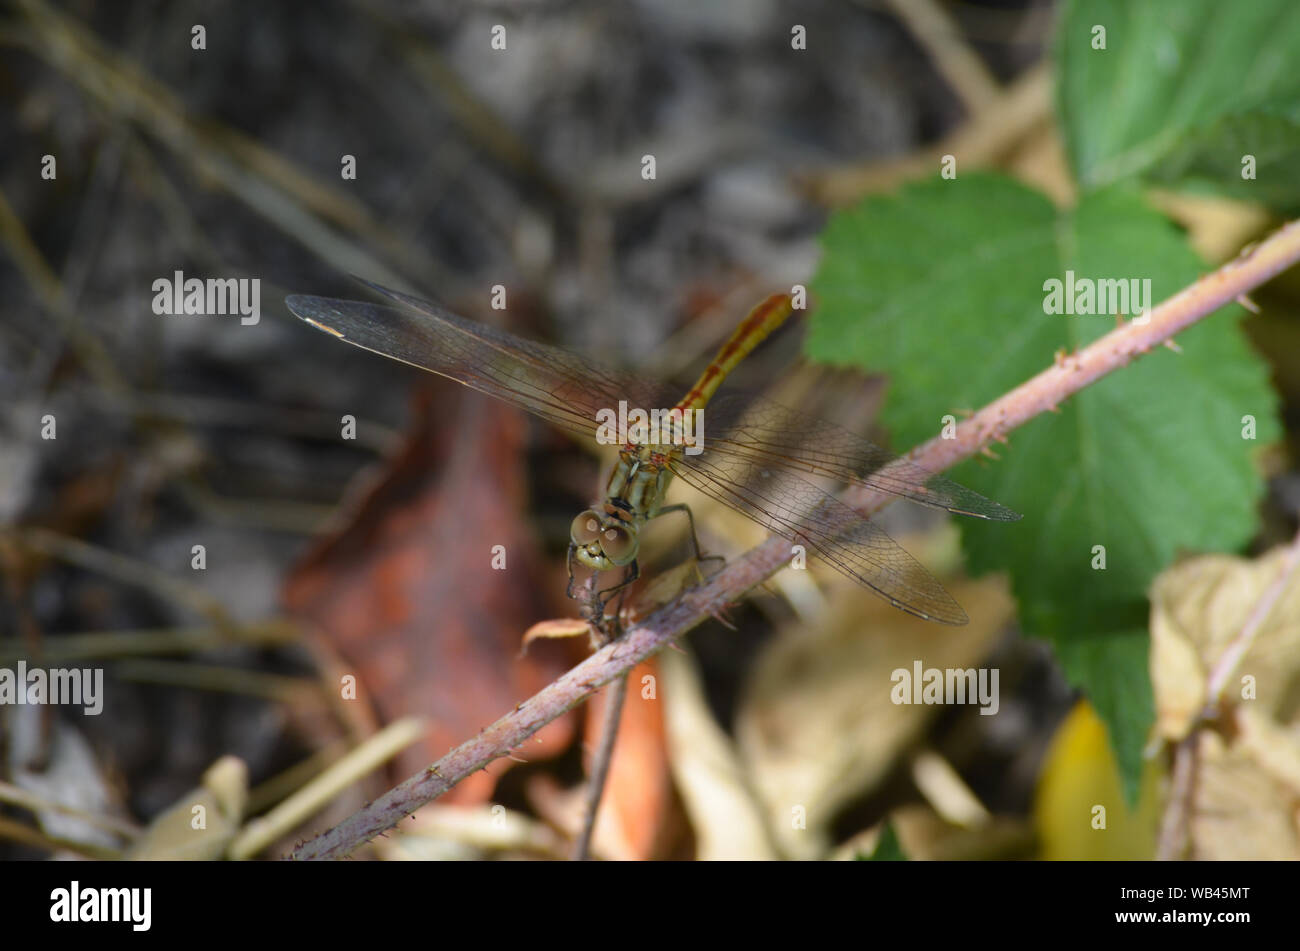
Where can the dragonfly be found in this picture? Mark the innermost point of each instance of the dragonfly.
(755, 456)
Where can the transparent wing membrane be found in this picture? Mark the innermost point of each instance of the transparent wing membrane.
(798, 511)
(555, 384)
(769, 434)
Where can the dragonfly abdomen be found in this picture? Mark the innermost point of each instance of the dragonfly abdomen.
(753, 330)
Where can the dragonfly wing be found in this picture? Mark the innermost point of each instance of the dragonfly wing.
(795, 509)
(555, 384)
(770, 435)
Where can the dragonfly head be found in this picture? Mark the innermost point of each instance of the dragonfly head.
(602, 541)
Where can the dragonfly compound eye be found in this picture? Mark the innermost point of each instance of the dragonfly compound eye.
(618, 545)
(585, 528)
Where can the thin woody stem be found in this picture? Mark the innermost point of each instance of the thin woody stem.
(1045, 391)
(1175, 827)
(1227, 663)
(600, 764)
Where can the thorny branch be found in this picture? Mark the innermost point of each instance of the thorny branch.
(1045, 391)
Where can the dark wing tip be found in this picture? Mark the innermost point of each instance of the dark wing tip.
(300, 305)
(308, 308)
(1003, 514)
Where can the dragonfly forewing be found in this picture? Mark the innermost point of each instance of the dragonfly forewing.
(557, 385)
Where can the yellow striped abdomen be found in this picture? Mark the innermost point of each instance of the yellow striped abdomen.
(753, 330)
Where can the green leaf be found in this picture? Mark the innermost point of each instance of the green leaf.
(942, 286)
(887, 848)
(1157, 97)
(1209, 159)
(1113, 665)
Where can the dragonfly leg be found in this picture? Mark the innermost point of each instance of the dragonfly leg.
(569, 592)
(695, 541)
(632, 572)
(597, 604)
(594, 602)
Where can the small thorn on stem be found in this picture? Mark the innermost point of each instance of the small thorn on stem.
(720, 615)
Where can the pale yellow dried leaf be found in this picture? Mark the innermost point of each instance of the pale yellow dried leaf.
(817, 727)
(725, 817)
(1197, 608)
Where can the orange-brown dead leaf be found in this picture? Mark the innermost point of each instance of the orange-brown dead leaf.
(638, 798)
(407, 594)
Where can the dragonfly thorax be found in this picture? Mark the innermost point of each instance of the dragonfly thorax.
(639, 481)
